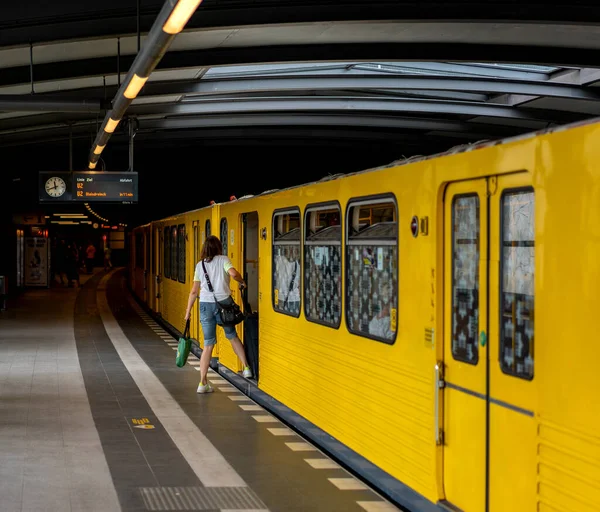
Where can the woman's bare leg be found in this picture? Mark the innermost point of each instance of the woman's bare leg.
(205, 363)
(238, 348)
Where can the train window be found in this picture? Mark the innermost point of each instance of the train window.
(139, 250)
(181, 247)
(372, 268)
(517, 286)
(224, 235)
(167, 253)
(207, 229)
(174, 253)
(323, 264)
(465, 278)
(287, 269)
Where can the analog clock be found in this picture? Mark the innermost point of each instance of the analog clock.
(55, 187)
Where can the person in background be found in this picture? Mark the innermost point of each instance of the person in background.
(60, 261)
(90, 253)
(72, 267)
(219, 269)
(107, 262)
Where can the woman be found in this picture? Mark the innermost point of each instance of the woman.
(219, 268)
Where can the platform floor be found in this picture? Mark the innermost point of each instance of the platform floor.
(96, 417)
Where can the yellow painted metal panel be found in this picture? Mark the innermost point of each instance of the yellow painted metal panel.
(567, 183)
(513, 460)
(374, 397)
(569, 467)
(512, 433)
(227, 357)
(159, 270)
(200, 217)
(233, 211)
(465, 267)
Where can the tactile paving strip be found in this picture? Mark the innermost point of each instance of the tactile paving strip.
(201, 498)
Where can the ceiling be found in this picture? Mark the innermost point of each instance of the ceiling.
(259, 72)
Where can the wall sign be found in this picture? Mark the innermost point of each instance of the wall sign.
(35, 265)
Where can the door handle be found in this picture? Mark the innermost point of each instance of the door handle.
(439, 385)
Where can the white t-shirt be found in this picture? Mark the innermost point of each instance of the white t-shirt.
(217, 270)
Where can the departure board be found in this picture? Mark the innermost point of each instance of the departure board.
(105, 186)
(88, 187)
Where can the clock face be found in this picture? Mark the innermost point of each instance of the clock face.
(55, 187)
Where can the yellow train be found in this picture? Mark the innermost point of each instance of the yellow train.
(439, 317)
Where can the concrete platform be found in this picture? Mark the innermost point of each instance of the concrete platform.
(96, 416)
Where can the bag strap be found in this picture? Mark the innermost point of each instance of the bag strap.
(186, 331)
(209, 283)
(207, 278)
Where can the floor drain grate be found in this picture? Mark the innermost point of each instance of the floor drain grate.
(201, 498)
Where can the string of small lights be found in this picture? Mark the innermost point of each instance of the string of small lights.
(99, 217)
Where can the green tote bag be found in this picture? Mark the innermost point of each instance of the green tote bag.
(185, 344)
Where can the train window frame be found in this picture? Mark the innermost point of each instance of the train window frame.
(307, 210)
(207, 229)
(505, 192)
(276, 213)
(387, 197)
(467, 195)
(196, 249)
(223, 235)
(181, 253)
(174, 253)
(167, 252)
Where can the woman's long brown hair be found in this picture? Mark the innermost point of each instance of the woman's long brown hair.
(212, 247)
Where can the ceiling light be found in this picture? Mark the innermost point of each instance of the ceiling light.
(134, 87)
(111, 124)
(180, 16)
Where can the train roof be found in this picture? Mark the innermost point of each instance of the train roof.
(462, 148)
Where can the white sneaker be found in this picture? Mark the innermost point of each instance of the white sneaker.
(204, 388)
(247, 373)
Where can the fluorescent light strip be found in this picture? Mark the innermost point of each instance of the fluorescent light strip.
(111, 124)
(180, 16)
(134, 87)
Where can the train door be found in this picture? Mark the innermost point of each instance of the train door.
(251, 293)
(147, 275)
(195, 318)
(487, 418)
(158, 258)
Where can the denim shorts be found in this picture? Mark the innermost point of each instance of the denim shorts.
(209, 320)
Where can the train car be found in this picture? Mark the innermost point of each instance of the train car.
(139, 262)
(438, 316)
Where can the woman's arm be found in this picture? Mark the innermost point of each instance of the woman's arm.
(192, 298)
(237, 276)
